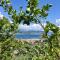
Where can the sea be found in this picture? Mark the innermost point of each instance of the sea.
(29, 35)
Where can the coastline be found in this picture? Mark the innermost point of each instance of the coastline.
(28, 40)
(31, 40)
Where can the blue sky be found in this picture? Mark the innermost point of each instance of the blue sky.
(54, 13)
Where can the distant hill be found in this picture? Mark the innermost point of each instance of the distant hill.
(30, 31)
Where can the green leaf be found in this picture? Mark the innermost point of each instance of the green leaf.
(8, 1)
(46, 7)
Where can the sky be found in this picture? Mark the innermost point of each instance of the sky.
(54, 12)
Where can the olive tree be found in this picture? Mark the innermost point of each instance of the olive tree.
(49, 49)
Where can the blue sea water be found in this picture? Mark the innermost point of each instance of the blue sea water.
(28, 35)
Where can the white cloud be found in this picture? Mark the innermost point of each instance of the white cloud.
(58, 22)
(44, 24)
(10, 21)
(36, 27)
(1, 16)
(31, 27)
(23, 27)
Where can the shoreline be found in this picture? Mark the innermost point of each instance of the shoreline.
(31, 40)
(28, 40)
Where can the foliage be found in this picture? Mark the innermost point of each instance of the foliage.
(12, 49)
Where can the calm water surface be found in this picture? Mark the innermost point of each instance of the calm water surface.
(27, 35)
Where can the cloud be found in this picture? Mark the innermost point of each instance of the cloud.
(10, 21)
(1, 16)
(44, 24)
(23, 27)
(58, 22)
(31, 27)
